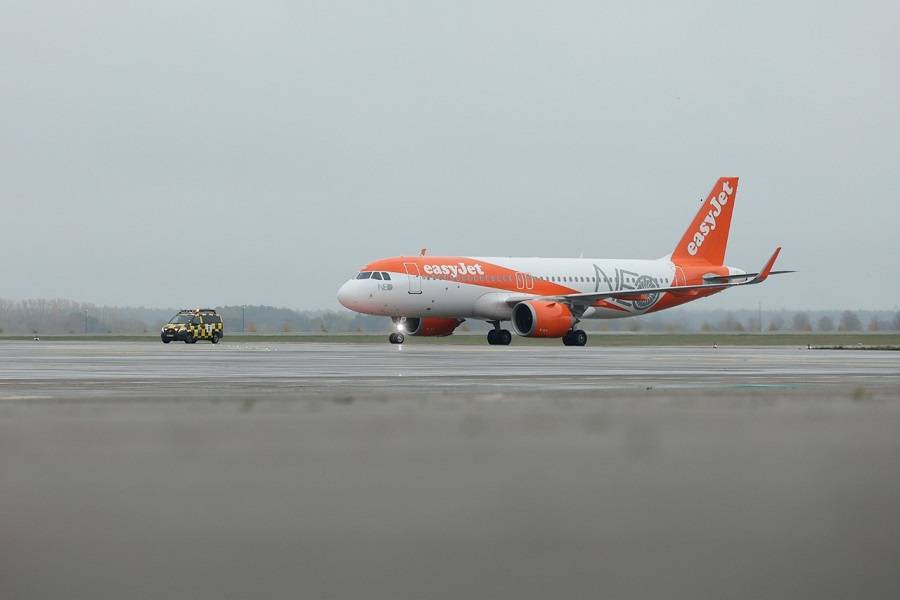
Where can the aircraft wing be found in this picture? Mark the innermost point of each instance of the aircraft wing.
(716, 283)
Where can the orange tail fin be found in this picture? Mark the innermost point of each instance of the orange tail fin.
(706, 238)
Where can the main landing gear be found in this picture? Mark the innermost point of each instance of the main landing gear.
(575, 337)
(396, 338)
(499, 337)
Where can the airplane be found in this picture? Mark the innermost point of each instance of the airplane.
(548, 297)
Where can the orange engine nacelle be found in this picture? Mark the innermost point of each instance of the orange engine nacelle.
(428, 326)
(537, 318)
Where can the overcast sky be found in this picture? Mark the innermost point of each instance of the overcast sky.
(185, 153)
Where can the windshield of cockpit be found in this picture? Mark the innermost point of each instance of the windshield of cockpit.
(381, 275)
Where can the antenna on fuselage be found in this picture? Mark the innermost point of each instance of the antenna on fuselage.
(423, 251)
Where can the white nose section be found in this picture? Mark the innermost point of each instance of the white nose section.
(344, 295)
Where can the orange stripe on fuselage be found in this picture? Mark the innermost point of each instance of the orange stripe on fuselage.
(481, 273)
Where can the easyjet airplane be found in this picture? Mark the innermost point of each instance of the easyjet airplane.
(548, 297)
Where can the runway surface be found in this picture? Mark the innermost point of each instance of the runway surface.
(140, 470)
(127, 369)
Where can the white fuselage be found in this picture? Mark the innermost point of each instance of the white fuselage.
(479, 287)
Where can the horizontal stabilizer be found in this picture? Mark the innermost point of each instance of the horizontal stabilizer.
(728, 278)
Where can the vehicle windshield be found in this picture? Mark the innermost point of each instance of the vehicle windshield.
(181, 319)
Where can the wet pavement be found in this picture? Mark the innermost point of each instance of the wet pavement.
(95, 369)
(139, 470)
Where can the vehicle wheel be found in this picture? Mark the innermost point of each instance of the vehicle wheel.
(215, 338)
(164, 339)
(189, 339)
(579, 338)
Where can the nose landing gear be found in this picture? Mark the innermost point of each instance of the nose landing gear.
(575, 337)
(396, 338)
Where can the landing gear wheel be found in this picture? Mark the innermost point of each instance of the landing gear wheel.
(215, 338)
(576, 337)
(499, 337)
(396, 338)
(580, 337)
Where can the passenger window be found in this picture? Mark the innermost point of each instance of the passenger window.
(385, 276)
(376, 275)
(364, 275)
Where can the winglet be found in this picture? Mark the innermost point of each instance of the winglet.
(767, 268)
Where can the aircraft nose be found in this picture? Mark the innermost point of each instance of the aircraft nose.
(345, 295)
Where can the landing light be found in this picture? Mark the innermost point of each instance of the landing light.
(400, 327)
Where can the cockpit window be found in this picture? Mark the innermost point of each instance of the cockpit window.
(385, 276)
(376, 275)
(364, 275)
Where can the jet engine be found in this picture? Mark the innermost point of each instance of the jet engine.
(429, 326)
(539, 318)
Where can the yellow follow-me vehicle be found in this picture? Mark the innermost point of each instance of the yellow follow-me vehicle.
(190, 325)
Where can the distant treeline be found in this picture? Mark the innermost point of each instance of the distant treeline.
(39, 316)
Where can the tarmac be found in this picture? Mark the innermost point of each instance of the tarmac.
(140, 470)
